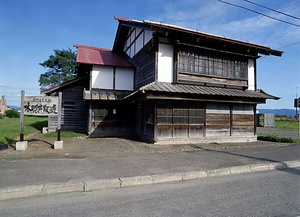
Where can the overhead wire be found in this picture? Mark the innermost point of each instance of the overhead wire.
(239, 6)
(271, 9)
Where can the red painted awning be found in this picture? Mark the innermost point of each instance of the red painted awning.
(101, 56)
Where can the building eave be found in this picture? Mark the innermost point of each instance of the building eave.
(166, 28)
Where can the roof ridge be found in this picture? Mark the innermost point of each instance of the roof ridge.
(91, 47)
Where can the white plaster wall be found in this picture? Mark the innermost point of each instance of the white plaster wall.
(251, 75)
(102, 77)
(124, 79)
(242, 109)
(139, 42)
(217, 108)
(165, 63)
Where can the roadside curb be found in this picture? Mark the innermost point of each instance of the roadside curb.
(101, 184)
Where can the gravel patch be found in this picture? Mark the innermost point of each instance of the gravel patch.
(41, 147)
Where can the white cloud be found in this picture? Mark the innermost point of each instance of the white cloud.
(221, 19)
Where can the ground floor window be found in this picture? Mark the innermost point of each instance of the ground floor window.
(179, 121)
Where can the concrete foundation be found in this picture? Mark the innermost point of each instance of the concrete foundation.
(44, 130)
(58, 145)
(22, 145)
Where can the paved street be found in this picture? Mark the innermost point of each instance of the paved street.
(273, 193)
(41, 171)
(85, 165)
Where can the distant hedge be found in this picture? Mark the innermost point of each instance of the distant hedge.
(12, 113)
(275, 139)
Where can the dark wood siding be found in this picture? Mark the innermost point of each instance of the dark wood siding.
(74, 110)
(138, 118)
(111, 118)
(144, 61)
(205, 80)
(74, 115)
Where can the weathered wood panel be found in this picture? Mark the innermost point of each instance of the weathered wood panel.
(242, 124)
(242, 120)
(200, 80)
(145, 66)
(179, 120)
(217, 119)
(111, 118)
(148, 120)
(164, 131)
(138, 118)
(74, 115)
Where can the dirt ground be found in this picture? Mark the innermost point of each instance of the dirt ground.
(41, 147)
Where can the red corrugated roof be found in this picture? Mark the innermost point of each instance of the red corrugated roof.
(101, 56)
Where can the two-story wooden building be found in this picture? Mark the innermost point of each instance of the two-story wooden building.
(166, 84)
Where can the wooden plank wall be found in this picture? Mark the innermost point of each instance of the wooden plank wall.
(144, 61)
(180, 120)
(217, 119)
(138, 119)
(243, 120)
(74, 111)
(111, 118)
(194, 79)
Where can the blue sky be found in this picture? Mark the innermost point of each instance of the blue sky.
(31, 29)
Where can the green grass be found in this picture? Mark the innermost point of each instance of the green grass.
(287, 124)
(66, 134)
(10, 127)
(282, 123)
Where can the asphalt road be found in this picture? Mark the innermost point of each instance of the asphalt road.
(273, 193)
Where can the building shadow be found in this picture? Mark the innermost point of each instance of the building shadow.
(282, 167)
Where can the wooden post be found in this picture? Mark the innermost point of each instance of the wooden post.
(299, 126)
(59, 115)
(22, 145)
(22, 116)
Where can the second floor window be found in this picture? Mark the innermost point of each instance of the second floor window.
(211, 64)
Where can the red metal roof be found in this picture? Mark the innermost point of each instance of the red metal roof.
(101, 56)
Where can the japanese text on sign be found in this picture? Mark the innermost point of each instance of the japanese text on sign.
(40, 105)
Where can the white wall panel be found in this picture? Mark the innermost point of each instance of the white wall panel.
(217, 108)
(134, 44)
(102, 77)
(148, 36)
(124, 79)
(251, 75)
(165, 63)
(139, 42)
(240, 109)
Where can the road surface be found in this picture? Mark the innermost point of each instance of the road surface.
(272, 193)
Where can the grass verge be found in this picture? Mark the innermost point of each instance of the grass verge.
(10, 127)
(272, 138)
(67, 134)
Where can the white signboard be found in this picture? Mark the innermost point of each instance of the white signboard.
(41, 105)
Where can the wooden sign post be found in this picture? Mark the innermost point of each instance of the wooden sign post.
(22, 145)
(22, 116)
(59, 143)
(39, 106)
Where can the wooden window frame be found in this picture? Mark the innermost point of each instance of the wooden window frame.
(212, 64)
